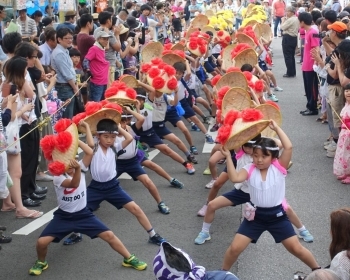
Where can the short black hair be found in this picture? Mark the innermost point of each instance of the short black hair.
(180, 66)
(74, 52)
(37, 13)
(247, 67)
(209, 33)
(140, 91)
(128, 5)
(256, 139)
(2, 8)
(84, 19)
(25, 49)
(104, 16)
(83, 11)
(63, 32)
(347, 86)
(109, 9)
(145, 7)
(107, 125)
(266, 143)
(315, 15)
(306, 18)
(10, 41)
(331, 16)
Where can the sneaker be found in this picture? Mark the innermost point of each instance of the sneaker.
(214, 128)
(163, 208)
(190, 168)
(194, 150)
(195, 128)
(326, 143)
(272, 97)
(210, 184)
(330, 154)
(209, 139)
(73, 238)
(202, 211)
(306, 236)
(144, 147)
(176, 183)
(332, 147)
(192, 158)
(156, 239)
(206, 120)
(278, 89)
(207, 171)
(43, 178)
(38, 267)
(134, 262)
(202, 237)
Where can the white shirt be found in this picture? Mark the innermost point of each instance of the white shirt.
(241, 162)
(216, 49)
(71, 200)
(181, 91)
(148, 115)
(341, 265)
(159, 107)
(130, 150)
(103, 166)
(267, 193)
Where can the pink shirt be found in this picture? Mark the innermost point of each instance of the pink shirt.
(302, 33)
(99, 66)
(310, 43)
(279, 7)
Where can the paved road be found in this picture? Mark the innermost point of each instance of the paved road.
(311, 190)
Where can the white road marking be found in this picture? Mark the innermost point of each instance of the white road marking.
(37, 223)
(208, 147)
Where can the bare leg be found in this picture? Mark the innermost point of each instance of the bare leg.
(156, 168)
(212, 163)
(176, 141)
(41, 247)
(134, 209)
(198, 111)
(272, 77)
(205, 103)
(223, 178)
(170, 153)
(7, 204)
(185, 131)
(238, 245)
(217, 203)
(208, 94)
(147, 182)
(292, 216)
(294, 247)
(115, 243)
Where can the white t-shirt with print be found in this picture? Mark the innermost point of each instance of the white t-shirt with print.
(159, 107)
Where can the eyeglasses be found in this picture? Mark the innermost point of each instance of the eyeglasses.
(68, 38)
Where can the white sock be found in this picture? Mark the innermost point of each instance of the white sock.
(206, 227)
(207, 134)
(151, 232)
(302, 228)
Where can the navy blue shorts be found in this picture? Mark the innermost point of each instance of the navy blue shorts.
(187, 108)
(172, 116)
(151, 139)
(237, 197)
(160, 129)
(263, 65)
(130, 166)
(109, 191)
(209, 66)
(64, 223)
(273, 219)
(202, 76)
(194, 93)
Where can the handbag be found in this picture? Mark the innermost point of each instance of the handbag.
(12, 135)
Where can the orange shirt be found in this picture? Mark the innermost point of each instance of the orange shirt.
(279, 7)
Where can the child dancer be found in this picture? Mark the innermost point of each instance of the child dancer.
(148, 134)
(341, 166)
(129, 161)
(266, 183)
(239, 195)
(73, 215)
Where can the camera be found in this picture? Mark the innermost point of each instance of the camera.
(320, 35)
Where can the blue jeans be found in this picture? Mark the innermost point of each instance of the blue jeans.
(97, 92)
(64, 92)
(238, 23)
(276, 22)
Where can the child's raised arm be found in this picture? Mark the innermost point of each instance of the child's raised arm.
(75, 182)
(88, 153)
(151, 91)
(286, 155)
(128, 137)
(235, 177)
(139, 118)
(89, 138)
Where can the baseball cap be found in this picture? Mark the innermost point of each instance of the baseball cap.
(338, 26)
(101, 33)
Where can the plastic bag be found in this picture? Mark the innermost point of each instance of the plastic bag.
(248, 211)
(179, 109)
(12, 135)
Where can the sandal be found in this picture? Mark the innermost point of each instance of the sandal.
(324, 122)
(5, 239)
(35, 214)
(346, 180)
(319, 119)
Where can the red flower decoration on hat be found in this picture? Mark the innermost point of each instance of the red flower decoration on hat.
(227, 39)
(259, 86)
(48, 156)
(172, 84)
(250, 115)
(192, 45)
(274, 104)
(180, 53)
(48, 144)
(219, 103)
(166, 52)
(233, 69)
(248, 75)
(218, 116)
(168, 46)
(145, 67)
(104, 102)
(114, 106)
(56, 168)
(240, 47)
(222, 92)
(62, 125)
(220, 33)
(153, 72)
(231, 117)
(158, 83)
(92, 107)
(156, 61)
(78, 117)
(63, 141)
(202, 49)
(215, 80)
(170, 70)
(223, 133)
(131, 93)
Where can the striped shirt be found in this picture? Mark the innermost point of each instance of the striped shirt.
(28, 27)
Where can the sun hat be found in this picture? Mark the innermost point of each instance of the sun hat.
(160, 75)
(172, 58)
(129, 80)
(209, 28)
(232, 79)
(199, 21)
(60, 149)
(338, 26)
(95, 16)
(210, 13)
(96, 111)
(197, 43)
(240, 127)
(70, 13)
(247, 56)
(263, 30)
(270, 111)
(226, 56)
(223, 38)
(102, 34)
(120, 93)
(235, 98)
(189, 31)
(150, 51)
(178, 46)
(133, 23)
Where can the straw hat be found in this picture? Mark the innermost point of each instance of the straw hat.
(178, 47)
(263, 30)
(223, 38)
(247, 56)
(199, 21)
(243, 38)
(123, 29)
(121, 94)
(270, 112)
(197, 43)
(104, 113)
(190, 31)
(210, 13)
(150, 51)
(252, 22)
(232, 79)
(172, 58)
(236, 98)
(226, 57)
(61, 148)
(129, 80)
(209, 28)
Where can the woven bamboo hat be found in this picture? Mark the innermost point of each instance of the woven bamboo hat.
(226, 57)
(243, 38)
(232, 79)
(190, 31)
(172, 58)
(247, 56)
(129, 80)
(178, 47)
(150, 51)
(209, 28)
(60, 149)
(252, 22)
(270, 111)
(236, 98)
(210, 13)
(199, 21)
(121, 94)
(263, 30)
